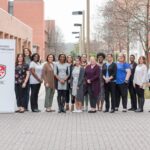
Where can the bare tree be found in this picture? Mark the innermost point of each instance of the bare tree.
(55, 40)
(127, 21)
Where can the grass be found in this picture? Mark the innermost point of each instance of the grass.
(147, 94)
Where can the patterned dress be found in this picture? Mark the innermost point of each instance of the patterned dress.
(102, 91)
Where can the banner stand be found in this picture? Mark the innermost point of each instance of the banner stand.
(7, 76)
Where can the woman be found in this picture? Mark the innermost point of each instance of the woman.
(92, 72)
(86, 99)
(35, 81)
(48, 77)
(62, 73)
(27, 55)
(70, 63)
(101, 99)
(140, 78)
(122, 79)
(77, 81)
(109, 76)
(21, 80)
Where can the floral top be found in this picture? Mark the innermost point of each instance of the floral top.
(20, 73)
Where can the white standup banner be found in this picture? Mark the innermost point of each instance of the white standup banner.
(7, 76)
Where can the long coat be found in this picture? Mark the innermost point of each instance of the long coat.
(93, 74)
(80, 93)
(48, 76)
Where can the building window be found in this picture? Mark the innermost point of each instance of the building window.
(11, 7)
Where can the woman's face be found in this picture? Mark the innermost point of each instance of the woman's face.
(69, 59)
(26, 52)
(77, 62)
(36, 58)
(20, 58)
(121, 58)
(93, 61)
(109, 58)
(50, 59)
(100, 59)
(141, 61)
(62, 58)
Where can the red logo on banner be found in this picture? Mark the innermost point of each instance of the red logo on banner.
(2, 71)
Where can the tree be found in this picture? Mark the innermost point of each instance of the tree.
(125, 22)
(55, 40)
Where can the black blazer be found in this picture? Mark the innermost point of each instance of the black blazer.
(132, 71)
(112, 70)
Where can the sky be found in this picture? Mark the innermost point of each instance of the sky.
(61, 12)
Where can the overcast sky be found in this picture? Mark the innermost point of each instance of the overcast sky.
(61, 11)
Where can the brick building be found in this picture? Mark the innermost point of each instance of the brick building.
(31, 12)
(12, 28)
(4, 4)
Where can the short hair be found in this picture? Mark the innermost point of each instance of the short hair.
(132, 56)
(110, 54)
(144, 59)
(101, 54)
(32, 57)
(50, 55)
(84, 55)
(62, 55)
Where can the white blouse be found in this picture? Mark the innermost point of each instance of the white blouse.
(141, 75)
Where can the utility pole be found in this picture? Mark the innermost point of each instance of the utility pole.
(88, 27)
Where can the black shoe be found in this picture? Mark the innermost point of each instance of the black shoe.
(131, 109)
(63, 111)
(112, 111)
(36, 110)
(105, 111)
(116, 109)
(124, 110)
(92, 111)
(59, 111)
(139, 110)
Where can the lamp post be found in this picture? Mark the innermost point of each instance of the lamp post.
(88, 27)
(83, 27)
(80, 37)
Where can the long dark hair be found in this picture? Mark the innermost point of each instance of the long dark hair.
(18, 55)
(30, 53)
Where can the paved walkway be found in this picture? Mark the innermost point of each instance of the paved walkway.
(53, 131)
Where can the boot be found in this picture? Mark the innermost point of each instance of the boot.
(72, 107)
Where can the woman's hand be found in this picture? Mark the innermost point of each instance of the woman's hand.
(89, 81)
(24, 85)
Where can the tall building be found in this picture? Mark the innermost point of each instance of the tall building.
(31, 12)
(4, 4)
(13, 28)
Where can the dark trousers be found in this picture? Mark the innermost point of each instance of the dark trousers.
(26, 96)
(141, 98)
(19, 95)
(93, 98)
(132, 92)
(121, 92)
(35, 88)
(69, 96)
(61, 98)
(110, 89)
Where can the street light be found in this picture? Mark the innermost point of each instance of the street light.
(88, 26)
(80, 37)
(77, 24)
(83, 27)
(75, 32)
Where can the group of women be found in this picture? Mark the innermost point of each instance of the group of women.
(79, 82)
